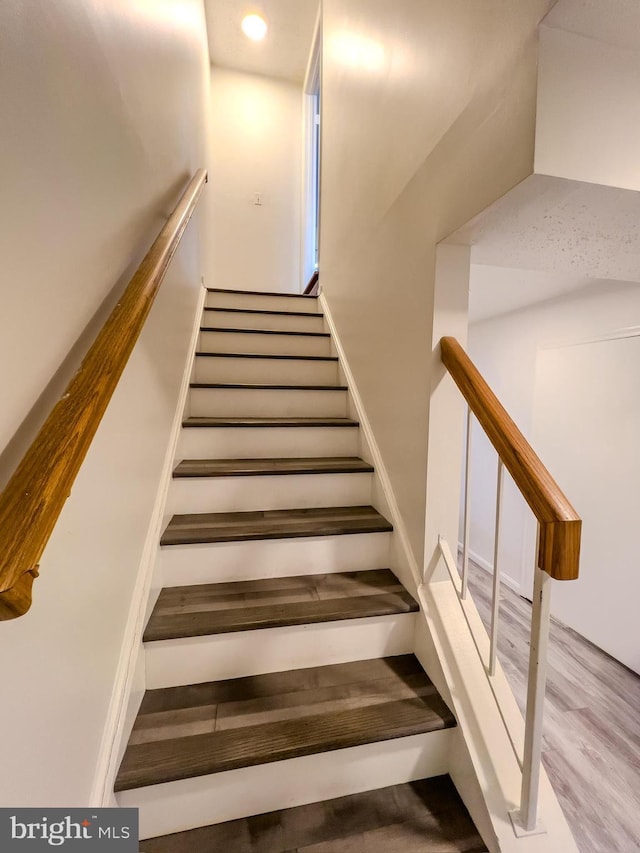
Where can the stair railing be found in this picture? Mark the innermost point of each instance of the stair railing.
(36, 493)
(312, 285)
(558, 553)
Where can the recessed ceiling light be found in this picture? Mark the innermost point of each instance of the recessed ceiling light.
(254, 26)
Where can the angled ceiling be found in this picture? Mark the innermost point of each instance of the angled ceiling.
(500, 290)
(616, 22)
(561, 226)
(283, 54)
(552, 236)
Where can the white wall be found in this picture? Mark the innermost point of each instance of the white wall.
(586, 424)
(588, 126)
(505, 349)
(428, 117)
(256, 146)
(103, 107)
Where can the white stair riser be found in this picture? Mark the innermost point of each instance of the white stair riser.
(190, 803)
(248, 320)
(220, 562)
(192, 660)
(278, 491)
(261, 343)
(274, 371)
(259, 403)
(261, 302)
(266, 442)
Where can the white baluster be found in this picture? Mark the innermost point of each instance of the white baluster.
(467, 510)
(535, 701)
(495, 608)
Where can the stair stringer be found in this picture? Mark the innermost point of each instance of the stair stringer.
(487, 725)
(129, 682)
(487, 778)
(403, 561)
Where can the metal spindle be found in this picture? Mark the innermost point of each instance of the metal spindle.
(495, 608)
(535, 700)
(467, 511)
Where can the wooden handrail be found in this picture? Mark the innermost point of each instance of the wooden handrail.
(312, 283)
(560, 525)
(33, 498)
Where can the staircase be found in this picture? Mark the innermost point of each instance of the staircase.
(285, 709)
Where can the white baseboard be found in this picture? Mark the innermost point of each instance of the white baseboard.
(486, 566)
(381, 474)
(115, 731)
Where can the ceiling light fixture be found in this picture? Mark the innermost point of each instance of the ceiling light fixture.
(254, 27)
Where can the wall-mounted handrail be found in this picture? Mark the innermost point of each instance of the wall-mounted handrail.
(35, 495)
(311, 288)
(560, 525)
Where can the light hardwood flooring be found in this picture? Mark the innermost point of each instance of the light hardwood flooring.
(592, 724)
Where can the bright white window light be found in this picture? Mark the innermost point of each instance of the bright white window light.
(254, 26)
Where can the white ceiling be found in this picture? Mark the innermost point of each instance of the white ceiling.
(553, 224)
(614, 21)
(551, 235)
(500, 290)
(284, 53)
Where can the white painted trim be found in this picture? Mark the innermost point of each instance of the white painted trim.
(482, 709)
(486, 566)
(311, 82)
(114, 733)
(313, 65)
(613, 335)
(366, 430)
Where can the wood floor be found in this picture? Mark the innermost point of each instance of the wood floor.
(182, 732)
(419, 817)
(592, 724)
(267, 467)
(219, 608)
(251, 423)
(273, 524)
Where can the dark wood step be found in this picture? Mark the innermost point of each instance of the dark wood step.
(265, 332)
(273, 524)
(260, 293)
(253, 387)
(418, 817)
(199, 422)
(183, 732)
(264, 311)
(222, 608)
(266, 467)
(266, 355)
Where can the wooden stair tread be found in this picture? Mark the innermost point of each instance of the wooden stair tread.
(260, 293)
(194, 422)
(205, 609)
(200, 354)
(415, 817)
(264, 332)
(264, 467)
(247, 386)
(265, 311)
(273, 524)
(275, 684)
(254, 721)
